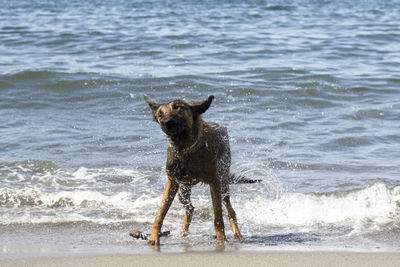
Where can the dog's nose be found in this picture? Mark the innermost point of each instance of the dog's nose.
(170, 122)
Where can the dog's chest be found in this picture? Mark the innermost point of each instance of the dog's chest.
(189, 171)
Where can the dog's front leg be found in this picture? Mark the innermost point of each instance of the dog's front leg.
(218, 219)
(170, 190)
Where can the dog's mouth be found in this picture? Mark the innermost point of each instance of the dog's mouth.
(173, 126)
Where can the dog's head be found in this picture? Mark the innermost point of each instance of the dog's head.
(178, 116)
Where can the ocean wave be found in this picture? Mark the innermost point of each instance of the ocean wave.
(58, 81)
(28, 205)
(47, 174)
(367, 209)
(376, 203)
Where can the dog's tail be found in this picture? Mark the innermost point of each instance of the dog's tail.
(235, 179)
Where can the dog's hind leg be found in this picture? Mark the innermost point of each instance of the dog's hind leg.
(218, 219)
(184, 198)
(231, 214)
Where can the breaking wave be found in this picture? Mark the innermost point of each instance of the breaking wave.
(376, 206)
(377, 203)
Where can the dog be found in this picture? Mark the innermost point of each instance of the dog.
(198, 152)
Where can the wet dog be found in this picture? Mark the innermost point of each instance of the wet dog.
(197, 152)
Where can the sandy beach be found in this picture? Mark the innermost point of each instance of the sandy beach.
(286, 259)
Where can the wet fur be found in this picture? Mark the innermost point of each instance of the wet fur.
(197, 152)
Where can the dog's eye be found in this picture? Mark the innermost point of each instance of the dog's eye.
(160, 114)
(176, 107)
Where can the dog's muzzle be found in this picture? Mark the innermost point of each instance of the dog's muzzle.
(173, 126)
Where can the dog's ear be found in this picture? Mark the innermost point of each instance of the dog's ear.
(154, 107)
(201, 107)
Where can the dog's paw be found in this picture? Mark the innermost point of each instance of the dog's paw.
(184, 233)
(238, 237)
(221, 242)
(153, 242)
(154, 238)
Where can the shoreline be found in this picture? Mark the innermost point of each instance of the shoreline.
(278, 258)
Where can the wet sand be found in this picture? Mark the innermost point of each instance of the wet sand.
(286, 259)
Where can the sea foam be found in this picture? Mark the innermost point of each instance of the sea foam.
(376, 203)
(373, 206)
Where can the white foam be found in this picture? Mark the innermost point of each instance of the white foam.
(375, 203)
(84, 194)
(28, 205)
(362, 210)
(83, 173)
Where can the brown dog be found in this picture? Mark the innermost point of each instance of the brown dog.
(197, 152)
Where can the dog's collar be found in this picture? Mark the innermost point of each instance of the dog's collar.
(193, 148)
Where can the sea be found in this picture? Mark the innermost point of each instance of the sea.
(308, 89)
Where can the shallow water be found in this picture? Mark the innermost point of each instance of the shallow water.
(309, 91)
